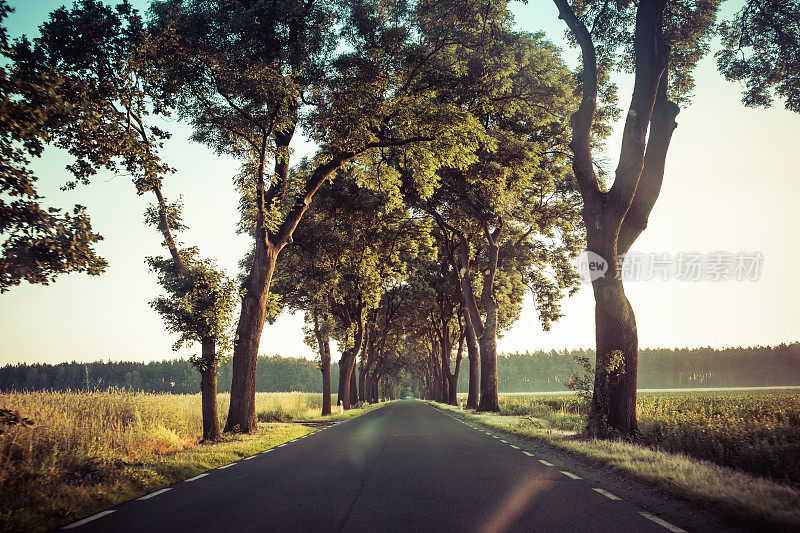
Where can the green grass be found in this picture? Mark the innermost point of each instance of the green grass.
(88, 451)
(701, 446)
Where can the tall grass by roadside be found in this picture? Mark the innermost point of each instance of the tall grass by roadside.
(86, 451)
(757, 431)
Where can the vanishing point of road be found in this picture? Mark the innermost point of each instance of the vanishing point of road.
(404, 467)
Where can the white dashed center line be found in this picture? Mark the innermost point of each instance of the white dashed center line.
(606, 494)
(226, 466)
(661, 522)
(89, 519)
(645, 514)
(153, 494)
(195, 478)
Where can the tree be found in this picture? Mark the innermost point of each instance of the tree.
(39, 243)
(199, 308)
(109, 84)
(761, 46)
(356, 78)
(353, 244)
(513, 212)
(668, 39)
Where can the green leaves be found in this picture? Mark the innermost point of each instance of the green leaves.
(38, 243)
(762, 49)
(200, 301)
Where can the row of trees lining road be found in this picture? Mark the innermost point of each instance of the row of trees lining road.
(659, 368)
(454, 170)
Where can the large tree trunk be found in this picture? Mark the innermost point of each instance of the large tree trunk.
(614, 397)
(476, 330)
(326, 385)
(354, 383)
(616, 217)
(446, 349)
(242, 411)
(474, 362)
(490, 399)
(452, 377)
(323, 343)
(208, 391)
(347, 363)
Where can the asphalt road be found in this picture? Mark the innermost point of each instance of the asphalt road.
(403, 467)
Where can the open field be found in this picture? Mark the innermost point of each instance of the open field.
(737, 451)
(86, 451)
(755, 430)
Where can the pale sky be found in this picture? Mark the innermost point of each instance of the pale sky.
(732, 184)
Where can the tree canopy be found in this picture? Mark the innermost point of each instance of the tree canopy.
(39, 242)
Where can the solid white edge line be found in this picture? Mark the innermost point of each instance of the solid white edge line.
(607, 494)
(101, 514)
(545, 463)
(195, 478)
(153, 494)
(248, 458)
(662, 523)
(570, 475)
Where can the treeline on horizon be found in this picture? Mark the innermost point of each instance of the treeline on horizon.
(538, 371)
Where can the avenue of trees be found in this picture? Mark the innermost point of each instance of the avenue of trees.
(455, 171)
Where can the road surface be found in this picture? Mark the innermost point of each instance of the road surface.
(403, 467)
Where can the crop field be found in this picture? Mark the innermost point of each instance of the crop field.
(755, 430)
(70, 452)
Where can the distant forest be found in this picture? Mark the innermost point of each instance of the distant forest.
(518, 372)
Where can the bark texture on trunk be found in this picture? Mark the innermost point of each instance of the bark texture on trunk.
(208, 391)
(452, 377)
(474, 364)
(347, 363)
(614, 397)
(323, 343)
(242, 411)
(490, 397)
(616, 217)
(354, 383)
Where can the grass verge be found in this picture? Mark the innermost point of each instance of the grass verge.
(750, 500)
(85, 452)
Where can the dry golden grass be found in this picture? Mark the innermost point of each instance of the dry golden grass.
(86, 451)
